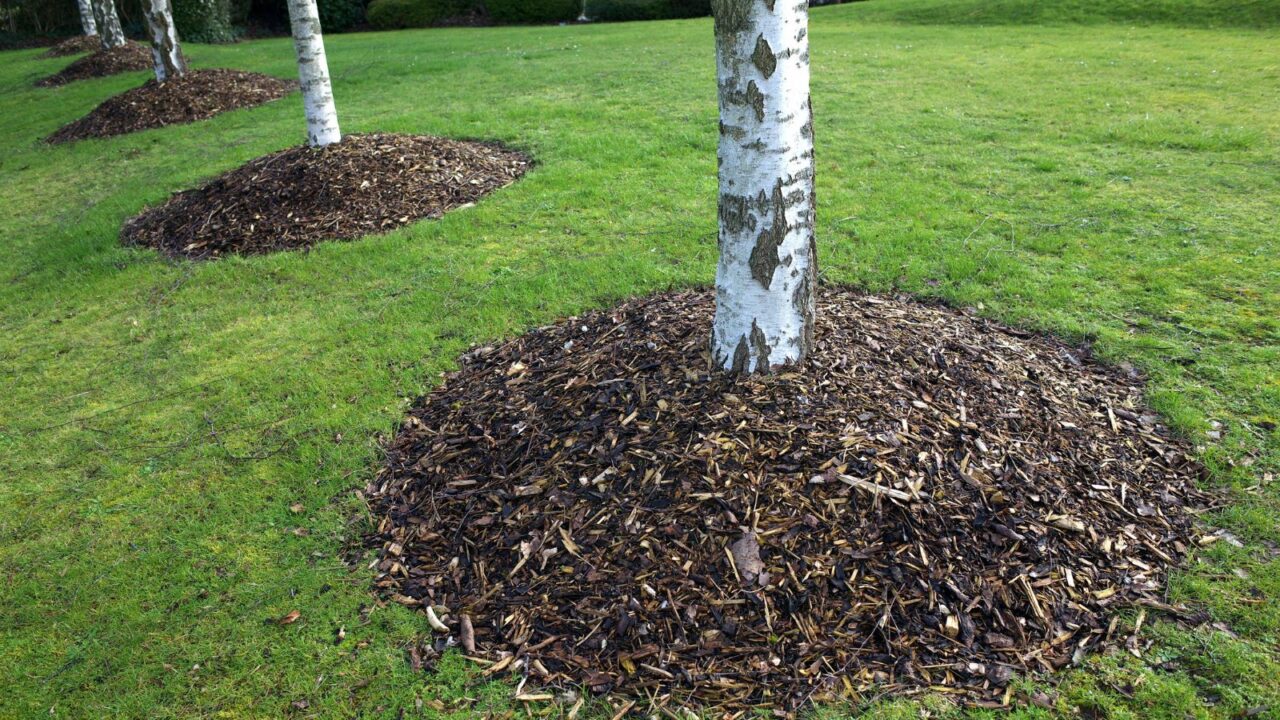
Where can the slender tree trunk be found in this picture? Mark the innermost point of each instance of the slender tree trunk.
(165, 50)
(108, 22)
(87, 23)
(313, 71)
(767, 272)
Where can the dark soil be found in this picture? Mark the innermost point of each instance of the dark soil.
(127, 58)
(933, 500)
(77, 45)
(295, 198)
(197, 95)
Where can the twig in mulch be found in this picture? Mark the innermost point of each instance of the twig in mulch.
(129, 57)
(197, 95)
(932, 501)
(294, 198)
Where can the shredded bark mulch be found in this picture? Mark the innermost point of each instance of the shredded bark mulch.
(197, 95)
(932, 501)
(127, 58)
(77, 45)
(295, 198)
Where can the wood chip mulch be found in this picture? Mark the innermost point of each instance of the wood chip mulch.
(297, 197)
(129, 57)
(197, 95)
(933, 501)
(77, 45)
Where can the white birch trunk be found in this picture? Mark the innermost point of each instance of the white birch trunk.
(313, 71)
(108, 23)
(87, 23)
(165, 50)
(767, 273)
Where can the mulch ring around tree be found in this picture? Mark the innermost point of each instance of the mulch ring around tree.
(129, 57)
(932, 501)
(197, 95)
(77, 45)
(298, 197)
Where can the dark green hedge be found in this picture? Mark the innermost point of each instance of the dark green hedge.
(206, 21)
(622, 10)
(397, 14)
(533, 11)
(340, 15)
(197, 20)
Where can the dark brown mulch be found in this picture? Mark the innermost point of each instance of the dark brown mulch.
(127, 58)
(77, 45)
(197, 95)
(933, 501)
(295, 198)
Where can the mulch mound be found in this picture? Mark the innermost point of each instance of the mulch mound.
(933, 500)
(127, 58)
(77, 45)
(295, 198)
(197, 95)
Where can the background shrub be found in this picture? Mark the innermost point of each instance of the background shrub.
(394, 14)
(622, 10)
(340, 15)
(533, 11)
(23, 20)
(271, 17)
(202, 20)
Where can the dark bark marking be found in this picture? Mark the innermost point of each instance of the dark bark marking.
(735, 213)
(802, 300)
(763, 58)
(730, 16)
(732, 131)
(764, 256)
(761, 345)
(741, 357)
(756, 99)
(807, 129)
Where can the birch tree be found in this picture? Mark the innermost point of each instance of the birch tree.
(165, 50)
(107, 21)
(313, 72)
(767, 272)
(87, 23)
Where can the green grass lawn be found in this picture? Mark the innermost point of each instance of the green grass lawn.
(1110, 182)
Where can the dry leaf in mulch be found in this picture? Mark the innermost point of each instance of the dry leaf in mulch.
(294, 198)
(933, 500)
(129, 57)
(77, 45)
(197, 95)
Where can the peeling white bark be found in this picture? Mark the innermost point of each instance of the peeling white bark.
(165, 50)
(767, 272)
(87, 23)
(313, 71)
(108, 23)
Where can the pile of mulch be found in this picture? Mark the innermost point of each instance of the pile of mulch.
(298, 197)
(932, 501)
(77, 45)
(197, 95)
(127, 58)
